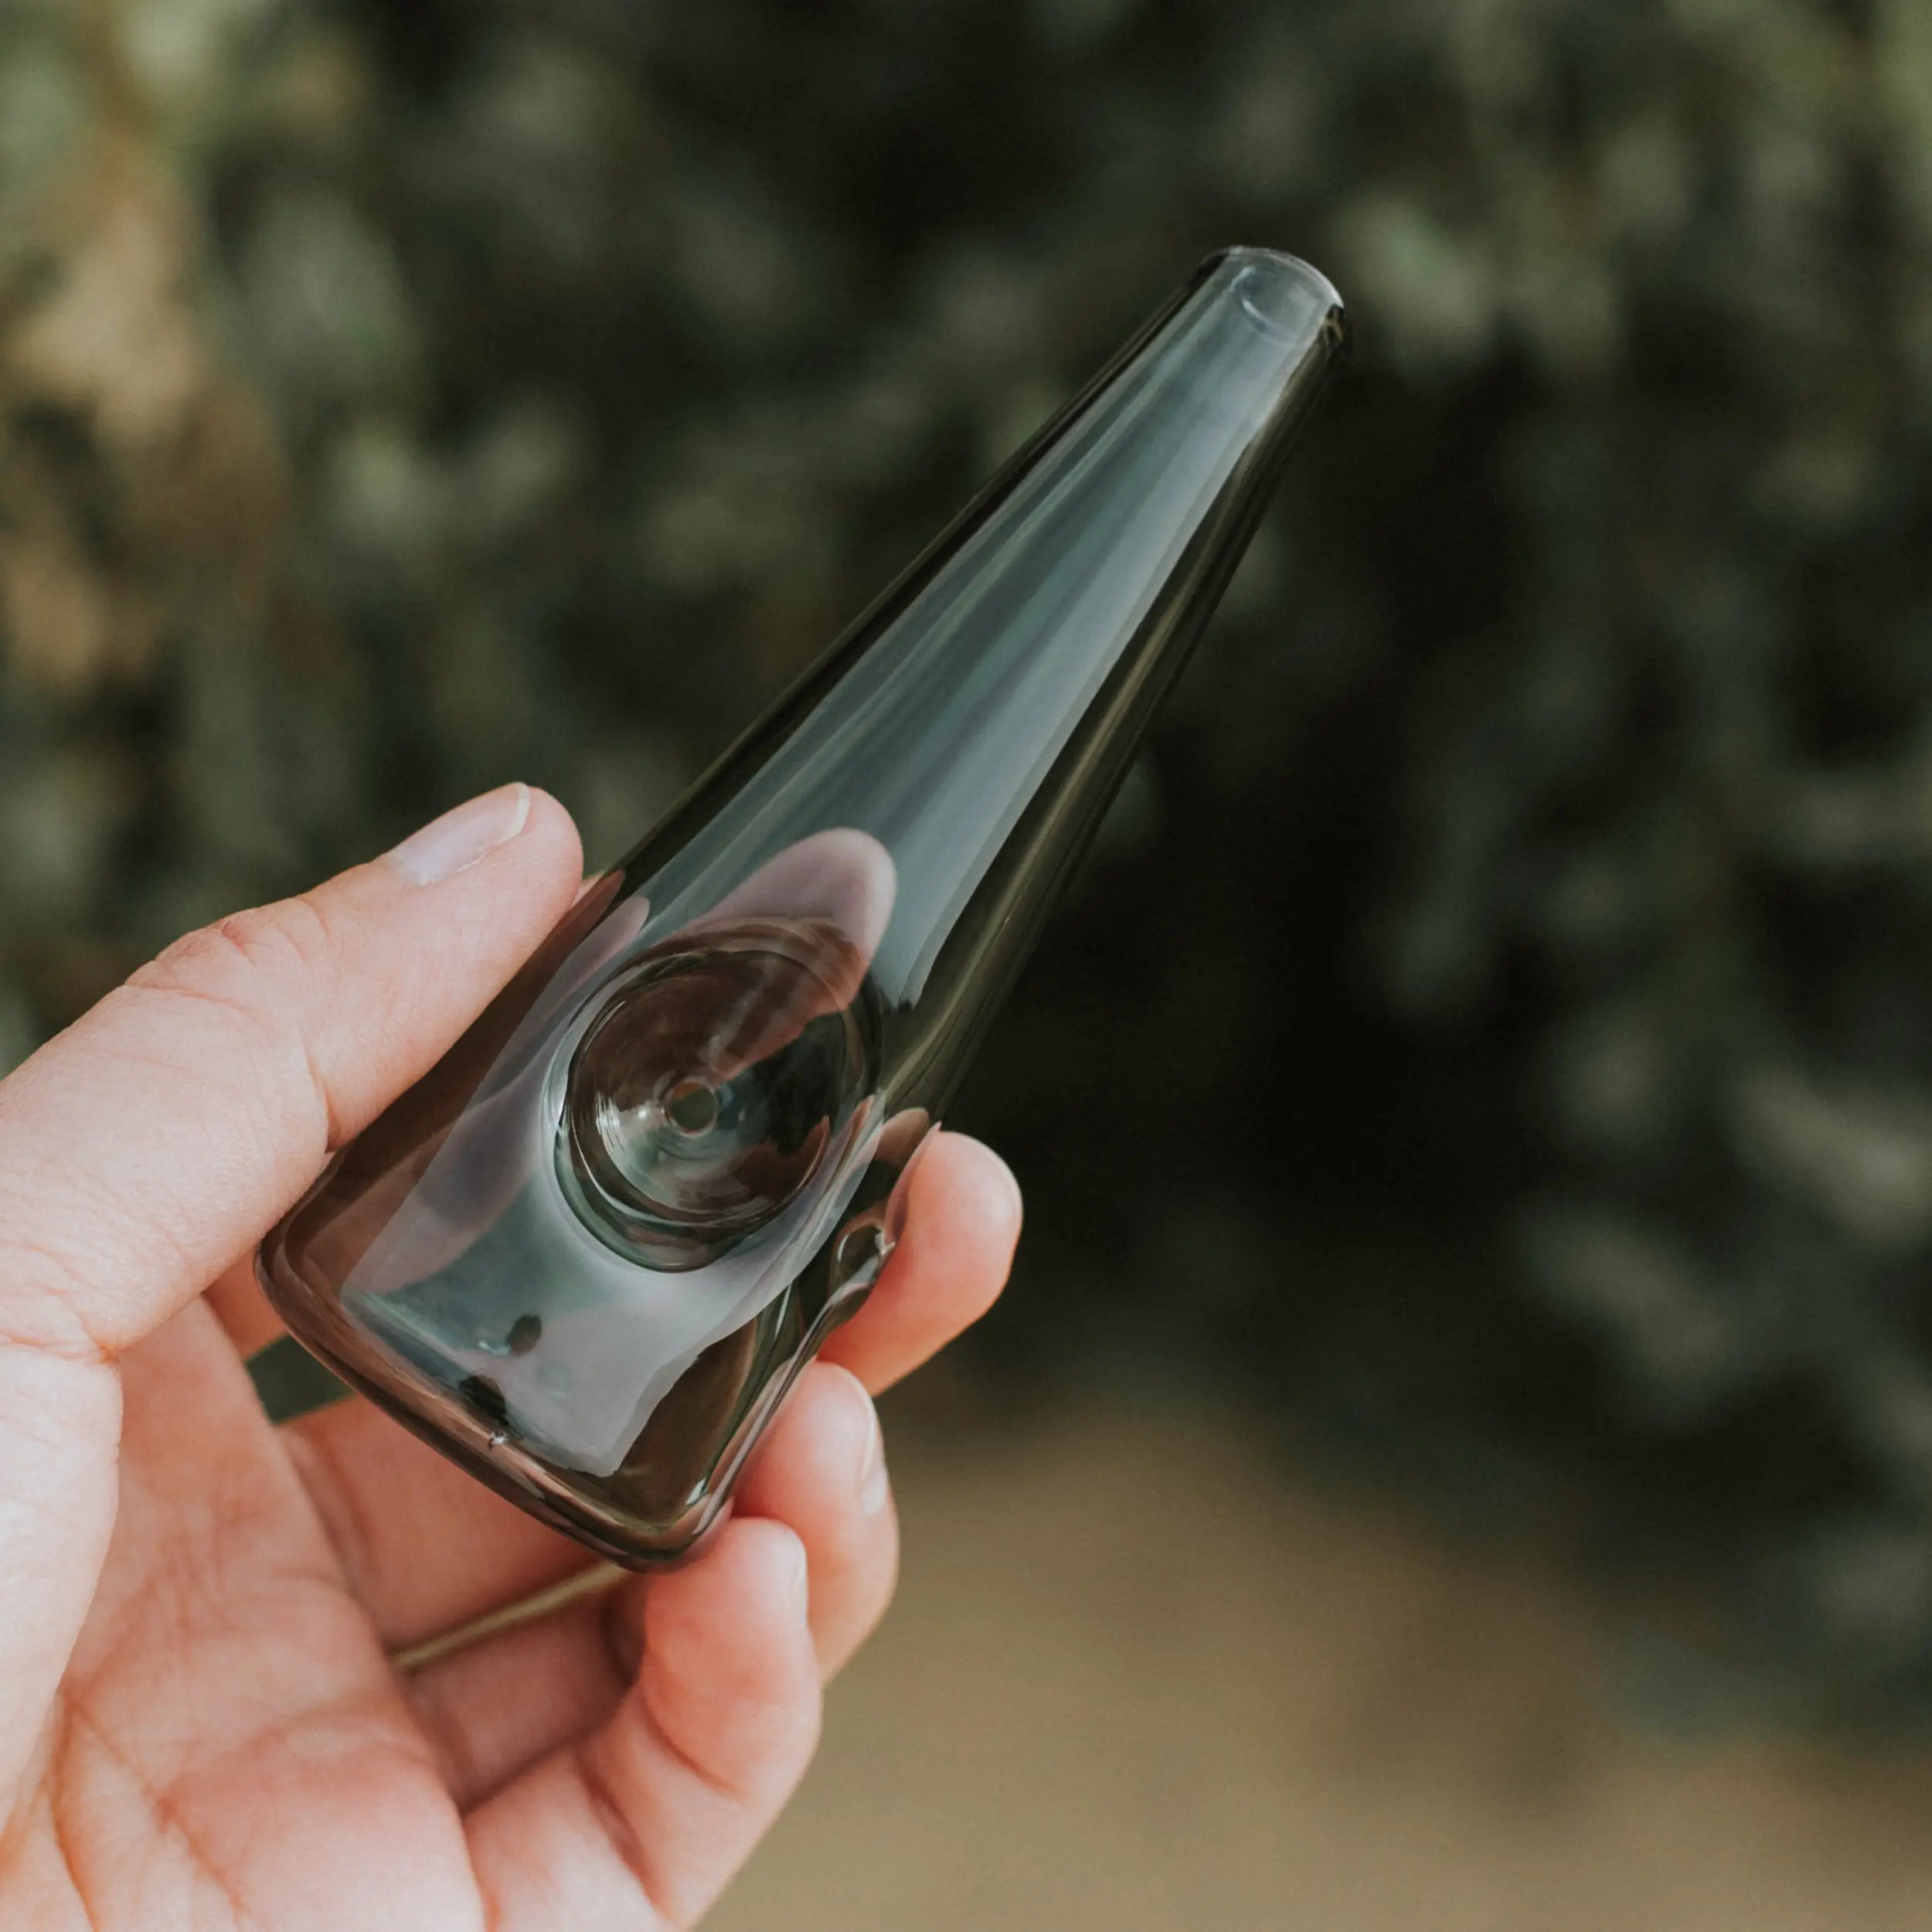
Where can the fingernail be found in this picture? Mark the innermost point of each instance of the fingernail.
(449, 844)
(874, 1485)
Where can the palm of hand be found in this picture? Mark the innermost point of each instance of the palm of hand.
(230, 1745)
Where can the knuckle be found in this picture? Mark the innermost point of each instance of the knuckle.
(255, 962)
(261, 969)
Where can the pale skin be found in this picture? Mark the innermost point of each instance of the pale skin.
(202, 1724)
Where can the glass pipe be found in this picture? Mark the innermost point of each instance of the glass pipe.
(587, 1254)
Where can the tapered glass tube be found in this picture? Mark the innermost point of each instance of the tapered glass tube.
(587, 1254)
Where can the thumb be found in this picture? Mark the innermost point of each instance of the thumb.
(159, 1136)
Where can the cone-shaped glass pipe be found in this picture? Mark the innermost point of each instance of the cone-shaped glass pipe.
(587, 1254)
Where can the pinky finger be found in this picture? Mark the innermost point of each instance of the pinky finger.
(642, 1823)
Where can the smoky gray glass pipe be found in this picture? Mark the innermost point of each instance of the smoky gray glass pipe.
(586, 1255)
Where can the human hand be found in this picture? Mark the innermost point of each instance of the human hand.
(200, 1724)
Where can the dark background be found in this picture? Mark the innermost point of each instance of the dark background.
(1493, 1038)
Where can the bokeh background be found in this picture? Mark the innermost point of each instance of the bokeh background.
(1459, 1448)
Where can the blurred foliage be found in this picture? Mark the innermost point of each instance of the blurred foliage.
(1496, 1029)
